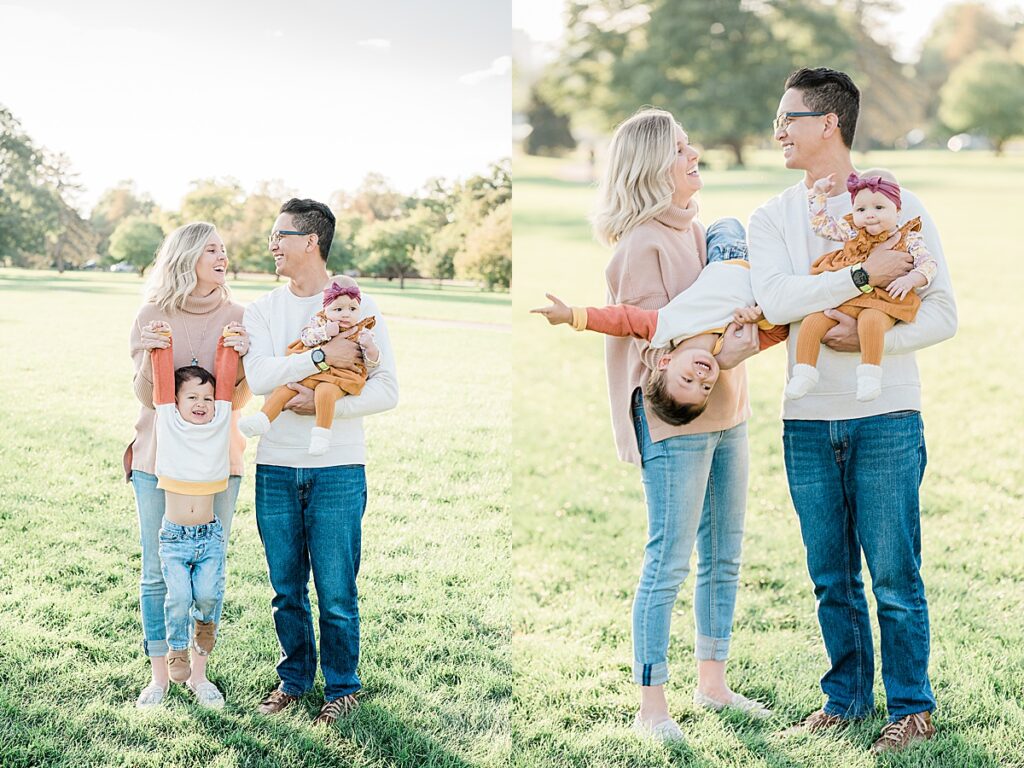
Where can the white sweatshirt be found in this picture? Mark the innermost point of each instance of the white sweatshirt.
(192, 459)
(273, 322)
(782, 247)
(707, 305)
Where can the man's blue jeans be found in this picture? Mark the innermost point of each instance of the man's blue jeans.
(192, 560)
(312, 518)
(152, 591)
(854, 485)
(696, 492)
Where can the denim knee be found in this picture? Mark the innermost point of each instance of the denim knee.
(726, 240)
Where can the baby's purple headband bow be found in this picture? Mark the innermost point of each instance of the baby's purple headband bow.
(334, 290)
(890, 189)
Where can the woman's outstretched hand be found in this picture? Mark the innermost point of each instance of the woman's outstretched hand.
(557, 313)
(239, 341)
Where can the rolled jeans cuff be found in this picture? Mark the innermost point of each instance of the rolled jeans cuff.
(650, 674)
(711, 648)
(154, 647)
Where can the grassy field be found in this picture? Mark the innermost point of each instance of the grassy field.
(435, 576)
(579, 518)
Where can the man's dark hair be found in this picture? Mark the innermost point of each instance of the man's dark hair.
(669, 410)
(316, 218)
(190, 372)
(828, 90)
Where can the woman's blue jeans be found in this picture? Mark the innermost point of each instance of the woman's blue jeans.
(696, 491)
(152, 590)
(854, 485)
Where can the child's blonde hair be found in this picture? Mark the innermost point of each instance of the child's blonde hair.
(637, 183)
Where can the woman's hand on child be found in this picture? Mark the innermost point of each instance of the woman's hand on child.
(556, 313)
(748, 315)
(825, 185)
(239, 338)
(156, 334)
(739, 341)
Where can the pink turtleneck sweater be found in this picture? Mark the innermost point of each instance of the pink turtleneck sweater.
(652, 263)
(200, 322)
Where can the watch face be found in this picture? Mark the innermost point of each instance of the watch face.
(860, 277)
(318, 356)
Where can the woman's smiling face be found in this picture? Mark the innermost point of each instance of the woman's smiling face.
(685, 173)
(213, 262)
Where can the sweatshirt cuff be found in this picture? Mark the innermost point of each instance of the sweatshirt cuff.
(579, 318)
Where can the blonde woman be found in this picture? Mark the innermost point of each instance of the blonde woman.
(694, 474)
(186, 290)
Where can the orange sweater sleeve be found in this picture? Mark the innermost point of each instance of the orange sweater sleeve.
(225, 367)
(163, 374)
(623, 320)
(771, 336)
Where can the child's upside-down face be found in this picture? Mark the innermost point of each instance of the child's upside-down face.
(344, 310)
(690, 375)
(195, 401)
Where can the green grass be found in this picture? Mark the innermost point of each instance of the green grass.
(434, 583)
(580, 522)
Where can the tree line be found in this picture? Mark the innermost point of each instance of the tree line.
(720, 66)
(459, 229)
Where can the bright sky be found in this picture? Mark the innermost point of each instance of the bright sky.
(542, 20)
(315, 93)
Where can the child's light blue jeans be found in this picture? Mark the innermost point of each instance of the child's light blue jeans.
(192, 561)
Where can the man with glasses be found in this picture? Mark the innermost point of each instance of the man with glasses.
(854, 468)
(309, 508)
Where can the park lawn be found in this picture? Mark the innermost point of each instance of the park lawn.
(435, 572)
(580, 524)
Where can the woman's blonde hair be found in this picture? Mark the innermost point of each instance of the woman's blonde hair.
(637, 183)
(174, 273)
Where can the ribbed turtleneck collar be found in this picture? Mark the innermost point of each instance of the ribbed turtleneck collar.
(678, 218)
(196, 305)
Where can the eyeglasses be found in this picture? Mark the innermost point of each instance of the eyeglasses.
(783, 120)
(275, 237)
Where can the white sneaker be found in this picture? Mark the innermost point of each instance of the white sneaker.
(151, 696)
(869, 382)
(801, 381)
(207, 695)
(754, 709)
(319, 441)
(665, 732)
(255, 425)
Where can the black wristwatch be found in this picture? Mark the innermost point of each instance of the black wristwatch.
(860, 278)
(320, 359)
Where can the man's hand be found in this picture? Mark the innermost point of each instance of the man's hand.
(739, 342)
(302, 403)
(342, 353)
(842, 337)
(557, 313)
(885, 266)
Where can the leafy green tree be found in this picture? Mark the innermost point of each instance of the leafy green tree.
(391, 247)
(29, 209)
(487, 252)
(136, 241)
(217, 202)
(114, 206)
(245, 236)
(985, 93)
(550, 134)
(374, 200)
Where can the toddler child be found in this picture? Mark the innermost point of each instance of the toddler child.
(340, 315)
(193, 425)
(689, 327)
(873, 224)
